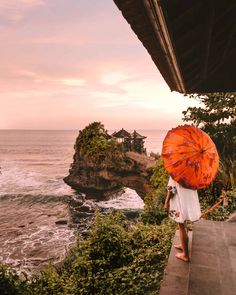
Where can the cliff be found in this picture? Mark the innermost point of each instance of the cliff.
(101, 169)
(103, 179)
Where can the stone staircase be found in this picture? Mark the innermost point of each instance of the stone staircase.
(212, 267)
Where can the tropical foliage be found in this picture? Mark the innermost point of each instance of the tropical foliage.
(95, 142)
(154, 202)
(217, 117)
(117, 258)
(10, 283)
(221, 212)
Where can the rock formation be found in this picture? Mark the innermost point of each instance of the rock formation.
(133, 170)
(100, 168)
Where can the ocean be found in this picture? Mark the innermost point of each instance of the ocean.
(33, 164)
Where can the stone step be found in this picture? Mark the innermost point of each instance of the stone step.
(176, 275)
(212, 267)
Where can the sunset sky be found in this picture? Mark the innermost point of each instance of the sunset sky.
(65, 63)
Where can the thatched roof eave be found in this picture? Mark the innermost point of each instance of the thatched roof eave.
(192, 43)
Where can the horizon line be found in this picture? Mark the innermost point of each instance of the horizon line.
(23, 129)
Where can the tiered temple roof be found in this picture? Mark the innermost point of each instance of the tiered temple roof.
(135, 134)
(121, 134)
(130, 141)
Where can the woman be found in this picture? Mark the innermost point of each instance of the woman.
(182, 205)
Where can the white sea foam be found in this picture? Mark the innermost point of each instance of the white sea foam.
(14, 179)
(20, 179)
(128, 200)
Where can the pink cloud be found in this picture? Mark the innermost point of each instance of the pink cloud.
(15, 10)
(83, 62)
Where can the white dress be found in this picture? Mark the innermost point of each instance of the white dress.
(184, 205)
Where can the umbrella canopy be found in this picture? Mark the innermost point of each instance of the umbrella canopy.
(190, 157)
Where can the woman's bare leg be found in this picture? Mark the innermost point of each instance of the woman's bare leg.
(184, 243)
(179, 246)
(186, 227)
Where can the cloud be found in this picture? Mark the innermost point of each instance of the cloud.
(14, 11)
(113, 78)
(72, 82)
(24, 78)
(108, 99)
(27, 73)
(60, 38)
(61, 57)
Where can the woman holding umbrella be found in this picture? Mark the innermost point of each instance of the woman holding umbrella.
(192, 161)
(182, 205)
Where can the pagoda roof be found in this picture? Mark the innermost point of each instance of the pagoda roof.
(121, 134)
(192, 43)
(137, 135)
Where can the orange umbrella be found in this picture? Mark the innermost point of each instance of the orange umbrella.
(190, 157)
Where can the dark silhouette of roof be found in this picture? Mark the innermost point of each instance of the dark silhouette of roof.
(193, 43)
(135, 134)
(125, 134)
(121, 134)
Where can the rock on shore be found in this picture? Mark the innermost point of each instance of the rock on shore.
(104, 178)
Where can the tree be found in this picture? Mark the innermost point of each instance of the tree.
(217, 117)
(95, 143)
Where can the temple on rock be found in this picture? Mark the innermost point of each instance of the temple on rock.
(130, 141)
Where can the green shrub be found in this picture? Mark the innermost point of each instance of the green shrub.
(117, 258)
(221, 212)
(49, 282)
(160, 176)
(154, 202)
(109, 240)
(10, 283)
(95, 142)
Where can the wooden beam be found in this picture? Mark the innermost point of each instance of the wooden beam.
(193, 83)
(189, 51)
(178, 21)
(209, 31)
(157, 18)
(192, 68)
(229, 42)
(195, 33)
(229, 9)
(218, 64)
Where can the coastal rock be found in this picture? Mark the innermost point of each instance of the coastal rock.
(75, 201)
(86, 208)
(83, 214)
(62, 221)
(104, 178)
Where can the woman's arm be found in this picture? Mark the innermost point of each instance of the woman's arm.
(170, 194)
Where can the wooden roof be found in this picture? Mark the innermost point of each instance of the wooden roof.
(136, 135)
(125, 134)
(121, 134)
(192, 42)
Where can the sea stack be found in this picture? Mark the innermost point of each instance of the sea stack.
(102, 168)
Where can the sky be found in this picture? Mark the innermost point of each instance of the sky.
(66, 63)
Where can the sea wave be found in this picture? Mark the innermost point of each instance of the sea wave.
(33, 199)
(17, 178)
